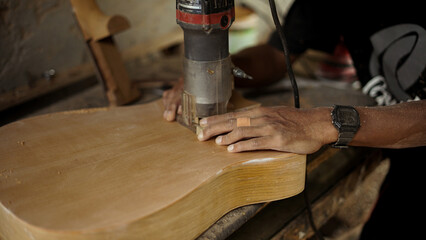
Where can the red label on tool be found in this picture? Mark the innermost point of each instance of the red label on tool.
(210, 19)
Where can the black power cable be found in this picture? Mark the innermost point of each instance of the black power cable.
(286, 54)
(296, 104)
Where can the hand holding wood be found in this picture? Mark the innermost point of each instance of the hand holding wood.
(284, 129)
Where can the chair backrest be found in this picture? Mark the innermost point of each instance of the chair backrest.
(94, 23)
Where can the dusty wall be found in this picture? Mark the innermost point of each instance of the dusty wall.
(37, 35)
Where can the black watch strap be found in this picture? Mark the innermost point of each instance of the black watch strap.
(343, 140)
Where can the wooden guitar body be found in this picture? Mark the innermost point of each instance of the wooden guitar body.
(125, 173)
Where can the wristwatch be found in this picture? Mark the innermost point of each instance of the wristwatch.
(346, 120)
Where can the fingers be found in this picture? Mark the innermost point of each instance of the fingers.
(260, 143)
(247, 139)
(239, 134)
(216, 129)
(170, 112)
(219, 124)
(241, 131)
(166, 96)
(257, 136)
(229, 125)
(172, 101)
(254, 113)
(281, 129)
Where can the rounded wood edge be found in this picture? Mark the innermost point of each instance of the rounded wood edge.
(248, 182)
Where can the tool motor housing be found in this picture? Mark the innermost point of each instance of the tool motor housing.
(208, 79)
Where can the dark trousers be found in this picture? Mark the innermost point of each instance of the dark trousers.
(399, 212)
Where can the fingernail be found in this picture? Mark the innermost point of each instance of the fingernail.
(230, 148)
(200, 136)
(169, 116)
(203, 122)
(219, 140)
(165, 114)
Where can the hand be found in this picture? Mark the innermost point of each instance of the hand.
(172, 101)
(285, 129)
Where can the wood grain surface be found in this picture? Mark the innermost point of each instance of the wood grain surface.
(125, 173)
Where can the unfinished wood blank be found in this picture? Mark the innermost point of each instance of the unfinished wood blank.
(125, 173)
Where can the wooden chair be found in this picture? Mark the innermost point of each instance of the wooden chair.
(98, 30)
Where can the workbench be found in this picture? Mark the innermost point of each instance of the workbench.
(335, 177)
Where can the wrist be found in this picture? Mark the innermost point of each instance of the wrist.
(327, 133)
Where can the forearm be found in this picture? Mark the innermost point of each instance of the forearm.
(264, 63)
(399, 126)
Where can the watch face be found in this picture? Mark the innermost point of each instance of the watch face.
(347, 117)
(346, 120)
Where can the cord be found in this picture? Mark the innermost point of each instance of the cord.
(286, 54)
(296, 105)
